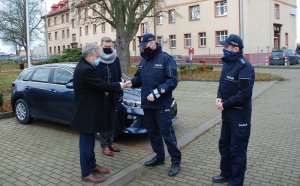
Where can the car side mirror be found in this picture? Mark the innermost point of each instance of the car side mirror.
(70, 85)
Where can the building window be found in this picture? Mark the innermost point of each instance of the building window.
(69, 46)
(62, 18)
(113, 29)
(56, 35)
(187, 40)
(49, 36)
(103, 29)
(144, 28)
(86, 29)
(79, 13)
(172, 16)
(49, 22)
(80, 31)
(276, 11)
(144, 6)
(64, 47)
(286, 39)
(73, 23)
(55, 50)
(63, 34)
(160, 40)
(194, 12)
(172, 41)
(202, 39)
(94, 10)
(55, 20)
(68, 33)
(73, 38)
(220, 36)
(159, 18)
(67, 17)
(134, 44)
(58, 49)
(86, 12)
(221, 8)
(50, 50)
(102, 9)
(94, 29)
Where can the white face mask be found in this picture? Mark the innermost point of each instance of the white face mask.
(96, 62)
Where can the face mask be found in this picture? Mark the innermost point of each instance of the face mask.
(107, 51)
(147, 52)
(228, 53)
(96, 62)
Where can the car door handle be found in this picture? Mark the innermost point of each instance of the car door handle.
(52, 90)
(27, 87)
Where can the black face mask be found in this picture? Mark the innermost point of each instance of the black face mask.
(107, 51)
(147, 52)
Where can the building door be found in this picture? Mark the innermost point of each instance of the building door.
(277, 29)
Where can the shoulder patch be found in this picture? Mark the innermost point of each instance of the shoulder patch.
(242, 61)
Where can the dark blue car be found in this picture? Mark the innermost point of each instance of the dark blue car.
(46, 92)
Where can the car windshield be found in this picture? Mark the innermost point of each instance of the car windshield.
(277, 54)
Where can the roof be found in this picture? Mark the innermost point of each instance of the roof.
(61, 6)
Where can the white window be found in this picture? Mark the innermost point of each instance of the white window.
(103, 29)
(173, 41)
(187, 40)
(94, 29)
(202, 39)
(172, 16)
(194, 12)
(145, 28)
(221, 8)
(220, 36)
(159, 18)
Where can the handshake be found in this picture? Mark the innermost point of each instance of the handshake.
(126, 84)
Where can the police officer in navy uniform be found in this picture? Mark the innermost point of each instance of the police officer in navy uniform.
(234, 100)
(157, 75)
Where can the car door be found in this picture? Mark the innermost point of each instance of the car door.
(35, 91)
(61, 99)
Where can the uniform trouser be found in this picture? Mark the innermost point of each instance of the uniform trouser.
(87, 154)
(233, 149)
(159, 125)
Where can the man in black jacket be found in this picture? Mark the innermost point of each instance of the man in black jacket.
(234, 99)
(157, 74)
(89, 92)
(109, 70)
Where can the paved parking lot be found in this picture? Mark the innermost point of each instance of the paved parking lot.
(46, 153)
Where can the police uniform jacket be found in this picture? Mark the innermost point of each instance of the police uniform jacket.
(235, 88)
(157, 75)
(89, 98)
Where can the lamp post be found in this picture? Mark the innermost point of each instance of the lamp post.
(27, 35)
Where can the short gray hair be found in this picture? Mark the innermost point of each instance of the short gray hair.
(90, 49)
(106, 39)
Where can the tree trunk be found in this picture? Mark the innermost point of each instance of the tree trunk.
(122, 46)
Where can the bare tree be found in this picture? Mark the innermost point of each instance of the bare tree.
(123, 15)
(13, 22)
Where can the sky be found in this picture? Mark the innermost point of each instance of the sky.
(49, 3)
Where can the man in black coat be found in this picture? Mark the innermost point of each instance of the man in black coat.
(109, 70)
(89, 92)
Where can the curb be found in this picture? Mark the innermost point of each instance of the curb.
(138, 168)
(6, 115)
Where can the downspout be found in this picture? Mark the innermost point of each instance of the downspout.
(241, 18)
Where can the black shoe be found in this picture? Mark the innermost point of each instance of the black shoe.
(153, 162)
(175, 168)
(219, 179)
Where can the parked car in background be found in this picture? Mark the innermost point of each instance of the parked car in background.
(46, 92)
(285, 56)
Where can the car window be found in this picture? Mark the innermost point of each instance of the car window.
(41, 75)
(62, 76)
(277, 54)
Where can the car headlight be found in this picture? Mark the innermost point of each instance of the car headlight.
(131, 103)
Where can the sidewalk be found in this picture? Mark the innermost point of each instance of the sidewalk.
(273, 152)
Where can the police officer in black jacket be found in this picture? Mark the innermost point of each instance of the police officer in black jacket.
(234, 100)
(157, 75)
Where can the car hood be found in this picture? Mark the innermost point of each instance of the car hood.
(132, 94)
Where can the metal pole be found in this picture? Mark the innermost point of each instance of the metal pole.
(27, 35)
(46, 29)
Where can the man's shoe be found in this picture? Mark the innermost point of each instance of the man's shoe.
(101, 170)
(175, 168)
(153, 162)
(94, 179)
(219, 179)
(106, 151)
(114, 148)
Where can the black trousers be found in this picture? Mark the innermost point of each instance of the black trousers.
(233, 145)
(159, 125)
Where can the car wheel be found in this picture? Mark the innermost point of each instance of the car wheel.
(22, 112)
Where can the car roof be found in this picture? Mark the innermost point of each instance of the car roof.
(67, 65)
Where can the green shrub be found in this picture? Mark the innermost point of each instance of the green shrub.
(69, 55)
